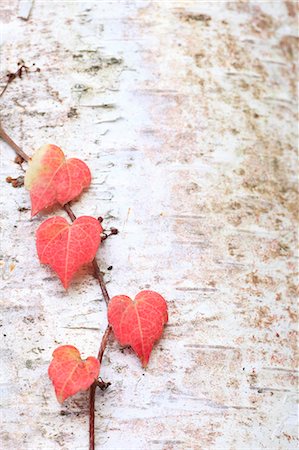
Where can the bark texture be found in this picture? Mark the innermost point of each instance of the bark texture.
(185, 112)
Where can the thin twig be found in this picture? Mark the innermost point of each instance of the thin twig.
(104, 343)
(17, 74)
(98, 275)
(13, 145)
(92, 390)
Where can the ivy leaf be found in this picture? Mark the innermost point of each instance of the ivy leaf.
(138, 323)
(51, 178)
(69, 373)
(67, 247)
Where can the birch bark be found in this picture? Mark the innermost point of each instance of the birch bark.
(185, 112)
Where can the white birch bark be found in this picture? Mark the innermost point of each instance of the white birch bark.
(185, 112)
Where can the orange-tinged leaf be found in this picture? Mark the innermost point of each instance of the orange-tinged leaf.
(51, 178)
(69, 373)
(66, 247)
(138, 323)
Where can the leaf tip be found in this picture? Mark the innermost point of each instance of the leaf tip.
(65, 284)
(60, 398)
(144, 362)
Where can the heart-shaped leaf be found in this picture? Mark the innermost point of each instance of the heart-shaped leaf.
(51, 178)
(138, 323)
(67, 247)
(69, 373)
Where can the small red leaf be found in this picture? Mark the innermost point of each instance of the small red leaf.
(69, 373)
(138, 323)
(67, 247)
(51, 178)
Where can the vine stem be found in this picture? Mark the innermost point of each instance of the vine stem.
(92, 390)
(13, 145)
(98, 275)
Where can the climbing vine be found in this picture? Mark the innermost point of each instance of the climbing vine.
(52, 180)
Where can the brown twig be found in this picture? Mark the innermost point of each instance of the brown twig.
(17, 74)
(99, 276)
(13, 145)
(92, 390)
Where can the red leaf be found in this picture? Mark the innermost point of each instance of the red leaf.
(51, 178)
(69, 373)
(138, 323)
(67, 247)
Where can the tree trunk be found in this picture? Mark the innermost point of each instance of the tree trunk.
(185, 112)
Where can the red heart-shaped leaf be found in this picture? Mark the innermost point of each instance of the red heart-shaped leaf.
(69, 373)
(138, 323)
(51, 178)
(67, 247)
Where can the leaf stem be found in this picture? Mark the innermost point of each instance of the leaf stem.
(69, 211)
(98, 275)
